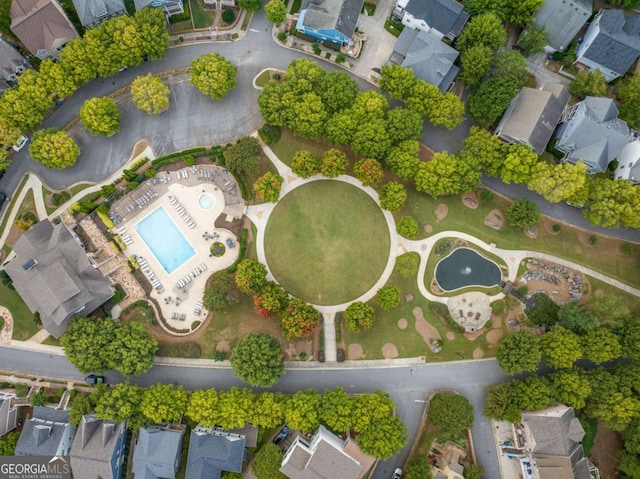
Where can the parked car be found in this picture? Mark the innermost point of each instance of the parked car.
(20, 144)
(397, 473)
(94, 379)
(3, 198)
(282, 435)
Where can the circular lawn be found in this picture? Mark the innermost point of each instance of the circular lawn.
(327, 242)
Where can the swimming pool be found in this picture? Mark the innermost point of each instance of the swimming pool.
(165, 240)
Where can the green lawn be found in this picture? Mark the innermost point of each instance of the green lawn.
(179, 350)
(201, 17)
(75, 189)
(327, 242)
(288, 144)
(263, 78)
(23, 324)
(10, 205)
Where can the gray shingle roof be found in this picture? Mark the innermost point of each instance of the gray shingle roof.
(430, 59)
(533, 115)
(92, 12)
(562, 19)
(446, 16)
(617, 44)
(157, 453)
(341, 15)
(211, 452)
(93, 448)
(63, 283)
(44, 432)
(556, 433)
(11, 64)
(594, 134)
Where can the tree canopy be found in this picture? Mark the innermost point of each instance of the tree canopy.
(560, 347)
(523, 213)
(450, 413)
(519, 353)
(268, 187)
(100, 116)
(257, 360)
(163, 403)
(276, 11)
(359, 316)
(54, 148)
(149, 94)
(213, 75)
(251, 276)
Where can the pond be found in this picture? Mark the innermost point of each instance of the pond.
(464, 267)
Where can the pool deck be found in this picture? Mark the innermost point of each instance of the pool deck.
(179, 293)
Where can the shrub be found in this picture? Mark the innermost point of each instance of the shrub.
(151, 172)
(388, 297)
(593, 240)
(556, 228)
(282, 36)
(22, 390)
(408, 227)
(340, 58)
(486, 196)
(316, 49)
(132, 185)
(228, 16)
(219, 356)
(270, 134)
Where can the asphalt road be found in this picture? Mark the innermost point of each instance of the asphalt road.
(409, 386)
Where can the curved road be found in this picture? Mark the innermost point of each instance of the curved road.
(409, 386)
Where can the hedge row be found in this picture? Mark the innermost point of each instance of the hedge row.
(243, 248)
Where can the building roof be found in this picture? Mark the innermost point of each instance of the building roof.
(341, 15)
(53, 274)
(446, 16)
(43, 433)
(430, 59)
(323, 458)
(212, 451)
(594, 134)
(156, 452)
(40, 24)
(12, 63)
(629, 162)
(562, 19)
(556, 430)
(92, 12)
(93, 447)
(533, 115)
(250, 433)
(617, 44)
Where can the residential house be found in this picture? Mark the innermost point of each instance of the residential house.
(430, 59)
(592, 133)
(325, 456)
(92, 12)
(12, 64)
(98, 449)
(611, 44)
(447, 461)
(157, 453)
(8, 413)
(47, 433)
(629, 163)
(54, 276)
(213, 450)
(533, 115)
(330, 20)
(42, 26)
(442, 18)
(170, 7)
(562, 19)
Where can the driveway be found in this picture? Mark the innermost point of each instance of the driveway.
(379, 43)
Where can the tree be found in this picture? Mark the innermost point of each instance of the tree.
(397, 81)
(388, 297)
(611, 203)
(242, 157)
(267, 462)
(629, 335)
(403, 124)
(371, 138)
(276, 11)
(518, 164)
(54, 148)
(570, 388)
(298, 320)
(121, 403)
(403, 159)
(485, 29)
(371, 408)
(8, 444)
(407, 264)
(576, 318)
(203, 407)
(450, 413)
(629, 96)
(602, 384)
(250, 5)
(309, 115)
(510, 63)
(519, 13)
(609, 309)
(213, 75)
(448, 113)
(235, 406)
(519, 353)
(100, 116)
(257, 360)
(408, 227)
(629, 464)
(532, 393)
(368, 171)
(476, 64)
(562, 182)
(384, 438)
(268, 409)
(500, 404)
(79, 406)
(483, 150)
(340, 128)
(333, 163)
(337, 91)
(55, 78)
(474, 471)
(251, 276)
(523, 213)
(302, 411)
(369, 105)
(358, 316)
(423, 98)
(152, 33)
(561, 348)
(600, 345)
(163, 403)
(304, 164)
(589, 83)
(418, 467)
(533, 39)
(492, 98)
(445, 174)
(268, 187)
(149, 94)
(617, 411)
(393, 196)
(545, 312)
(336, 410)
(217, 290)
(271, 299)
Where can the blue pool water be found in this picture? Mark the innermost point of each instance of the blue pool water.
(465, 267)
(165, 240)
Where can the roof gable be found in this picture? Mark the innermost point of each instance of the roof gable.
(446, 16)
(156, 452)
(43, 434)
(92, 12)
(95, 446)
(556, 431)
(562, 19)
(212, 451)
(341, 15)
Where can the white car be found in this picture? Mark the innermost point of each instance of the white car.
(20, 144)
(397, 474)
